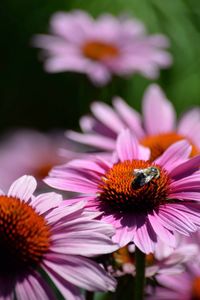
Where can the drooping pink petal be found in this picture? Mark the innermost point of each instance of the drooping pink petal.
(72, 268)
(175, 220)
(68, 290)
(159, 114)
(164, 234)
(145, 238)
(34, 287)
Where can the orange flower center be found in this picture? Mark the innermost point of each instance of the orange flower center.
(99, 50)
(196, 289)
(133, 186)
(159, 143)
(123, 256)
(43, 171)
(24, 236)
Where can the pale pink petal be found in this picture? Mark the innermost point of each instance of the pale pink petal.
(129, 116)
(86, 243)
(98, 73)
(107, 116)
(65, 24)
(45, 202)
(127, 146)
(189, 121)
(159, 113)
(65, 213)
(23, 188)
(94, 140)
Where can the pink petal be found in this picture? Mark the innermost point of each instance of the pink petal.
(159, 113)
(127, 146)
(129, 116)
(174, 155)
(107, 116)
(175, 220)
(34, 287)
(145, 237)
(74, 183)
(164, 234)
(94, 140)
(46, 201)
(72, 268)
(23, 188)
(86, 243)
(68, 290)
(188, 121)
(186, 168)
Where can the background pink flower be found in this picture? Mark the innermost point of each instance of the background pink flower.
(140, 212)
(37, 233)
(185, 286)
(30, 152)
(156, 128)
(102, 47)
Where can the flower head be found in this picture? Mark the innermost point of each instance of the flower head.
(156, 128)
(144, 200)
(36, 233)
(102, 47)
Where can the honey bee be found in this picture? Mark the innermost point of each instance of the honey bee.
(144, 176)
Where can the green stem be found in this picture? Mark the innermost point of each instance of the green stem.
(89, 295)
(140, 274)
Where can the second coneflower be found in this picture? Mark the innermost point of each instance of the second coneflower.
(143, 199)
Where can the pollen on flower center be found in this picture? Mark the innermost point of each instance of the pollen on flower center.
(118, 192)
(196, 289)
(99, 50)
(24, 236)
(159, 143)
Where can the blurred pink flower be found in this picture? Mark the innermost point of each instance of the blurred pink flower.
(102, 47)
(37, 233)
(185, 286)
(144, 200)
(156, 128)
(30, 152)
(164, 260)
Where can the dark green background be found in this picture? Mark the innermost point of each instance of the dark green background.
(32, 98)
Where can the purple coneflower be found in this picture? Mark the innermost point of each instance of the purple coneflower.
(156, 128)
(144, 200)
(102, 47)
(37, 234)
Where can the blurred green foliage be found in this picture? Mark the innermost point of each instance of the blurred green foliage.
(32, 98)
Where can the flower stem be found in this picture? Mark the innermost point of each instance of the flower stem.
(140, 274)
